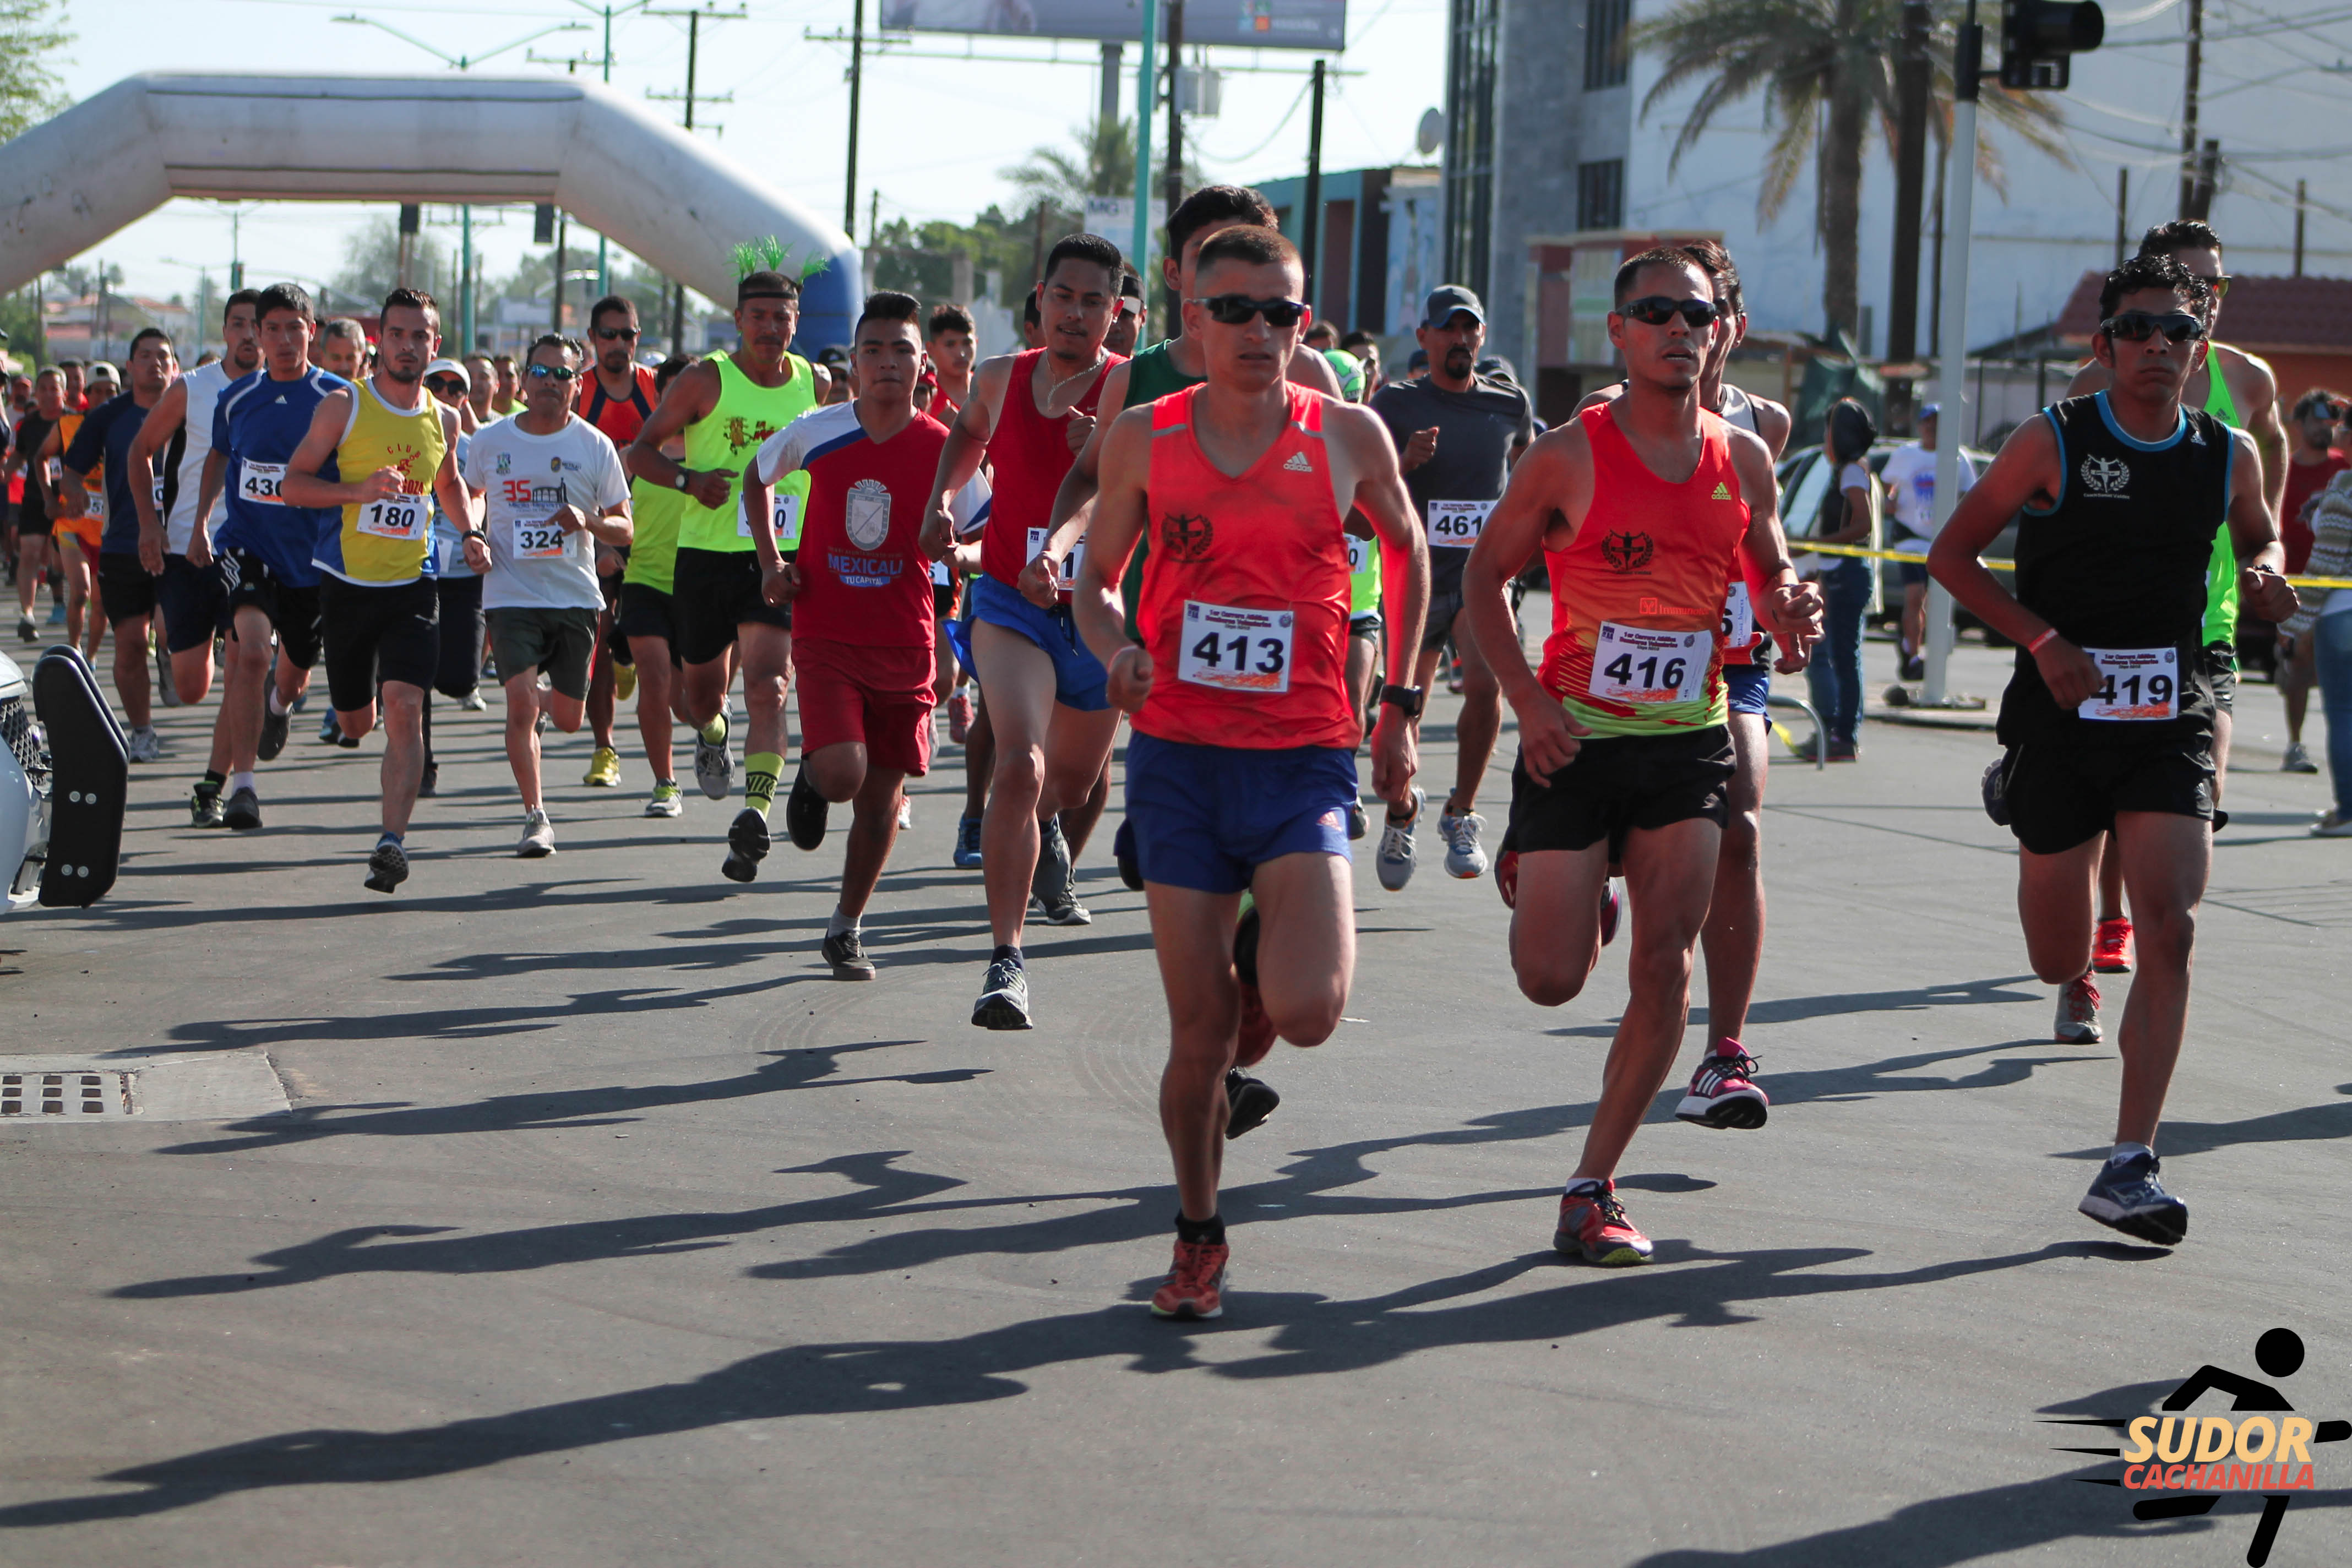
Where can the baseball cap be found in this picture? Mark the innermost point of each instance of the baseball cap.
(1446, 299)
(450, 367)
(1929, 410)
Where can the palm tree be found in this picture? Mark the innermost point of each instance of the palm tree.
(1826, 68)
(1098, 162)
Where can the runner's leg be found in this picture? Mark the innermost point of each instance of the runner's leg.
(1734, 933)
(1020, 679)
(2166, 858)
(656, 689)
(133, 682)
(404, 751)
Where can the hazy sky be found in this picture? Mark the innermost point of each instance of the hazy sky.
(936, 131)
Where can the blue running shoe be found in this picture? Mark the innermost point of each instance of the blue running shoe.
(967, 849)
(2127, 1196)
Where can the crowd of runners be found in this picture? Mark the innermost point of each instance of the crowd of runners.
(1258, 550)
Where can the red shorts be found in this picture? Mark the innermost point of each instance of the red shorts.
(879, 696)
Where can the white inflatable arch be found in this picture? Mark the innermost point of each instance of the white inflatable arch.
(68, 184)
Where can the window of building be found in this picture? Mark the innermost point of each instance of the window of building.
(1470, 110)
(1600, 195)
(1604, 42)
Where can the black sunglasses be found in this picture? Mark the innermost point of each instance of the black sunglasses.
(1656, 311)
(2137, 326)
(550, 372)
(1235, 309)
(617, 334)
(444, 384)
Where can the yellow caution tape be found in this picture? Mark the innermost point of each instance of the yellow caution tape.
(1807, 547)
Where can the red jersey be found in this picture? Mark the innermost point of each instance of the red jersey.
(1244, 601)
(619, 417)
(1031, 454)
(863, 579)
(1638, 596)
(2304, 481)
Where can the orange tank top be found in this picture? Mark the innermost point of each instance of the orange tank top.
(1244, 601)
(1638, 596)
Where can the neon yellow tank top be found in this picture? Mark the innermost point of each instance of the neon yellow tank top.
(1363, 576)
(653, 553)
(2221, 574)
(390, 542)
(746, 414)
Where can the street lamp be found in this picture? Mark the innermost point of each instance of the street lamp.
(465, 62)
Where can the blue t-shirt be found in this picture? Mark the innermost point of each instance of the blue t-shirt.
(259, 422)
(108, 431)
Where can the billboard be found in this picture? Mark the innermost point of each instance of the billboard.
(1247, 24)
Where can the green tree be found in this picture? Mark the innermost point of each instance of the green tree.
(31, 32)
(372, 264)
(20, 319)
(1826, 68)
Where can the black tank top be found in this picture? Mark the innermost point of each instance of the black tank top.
(2119, 561)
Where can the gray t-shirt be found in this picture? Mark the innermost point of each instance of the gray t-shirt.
(1456, 489)
(526, 478)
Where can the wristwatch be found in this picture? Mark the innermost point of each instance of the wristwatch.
(683, 477)
(1407, 699)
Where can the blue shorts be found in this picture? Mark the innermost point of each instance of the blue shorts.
(1745, 687)
(1078, 675)
(1207, 816)
(195, 603)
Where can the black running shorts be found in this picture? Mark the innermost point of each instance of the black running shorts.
(1619, 783)
(372, 633)
(125, 586)
(292, 611)
(647, 612)
(714, 592)
(194, 602)
(2222, 669)
(2061, 796)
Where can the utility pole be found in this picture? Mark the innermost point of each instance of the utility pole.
(1310, 226)
(2188, 108)
(1172, 185)
(2199, 205)
(1912, 71)
(2298, 227)
(1146, 78)
(1108, 113)
(2122, 212)
(856, 80)
(1952, 350)
(562, 261)
(693, 45)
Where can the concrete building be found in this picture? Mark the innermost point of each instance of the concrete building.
(1379, 249)
(1552, 173)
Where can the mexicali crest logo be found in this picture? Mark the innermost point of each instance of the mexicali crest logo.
(1627, 552)
(1186, 538)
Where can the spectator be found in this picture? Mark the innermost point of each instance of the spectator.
(1909, 479)
(1849, 516)
(2315, 460)
(2325, 620)
(1366, 349)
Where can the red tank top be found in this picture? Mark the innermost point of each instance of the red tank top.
(1031, 454)
(1245, 600)
(620, 418)
(1642, 586)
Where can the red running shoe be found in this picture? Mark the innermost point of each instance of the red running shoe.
(1593, 1225)
(2113, 953)
(1613, 910)
(1196, 1283)
(959, 718)
(1723, 1092)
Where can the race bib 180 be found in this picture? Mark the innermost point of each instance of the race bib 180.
(786, 521)
(1637, 666)
(1235, 649)
(395, 517)
(1458, 523)
(2138, 685)
(256, 483)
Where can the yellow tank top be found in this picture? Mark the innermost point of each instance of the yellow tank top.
(386, 542)
(746, 414)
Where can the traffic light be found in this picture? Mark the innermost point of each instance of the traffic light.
(542, 224)
(2039, 37)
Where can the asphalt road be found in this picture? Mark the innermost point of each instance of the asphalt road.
(605, 1228)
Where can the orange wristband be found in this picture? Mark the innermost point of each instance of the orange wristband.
(2047, 634)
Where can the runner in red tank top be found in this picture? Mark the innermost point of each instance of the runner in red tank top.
(1640, 507)
(1243, 764)
(1031, 412)
(616, 396)
(949, 344)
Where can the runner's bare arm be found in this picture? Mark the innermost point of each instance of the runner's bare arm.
(1773, 424)
(778, 580)
(448, 485)
(1792, 609)
(2257, 394)
(967, 444)
(687, 400)
(2255, 537)
(2093, 377)
(303, 487)
(1365, 475)
(1078, 491)
(208, 490)
(1310, 370)
(171, 411)
(2026, 470)
(1544, 500)
(1121, 514)
(65, 501)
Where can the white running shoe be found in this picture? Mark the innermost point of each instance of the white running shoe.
(1397, 854)
(538, 836)
(146, 746)
(1465, 856)
(2078, 1014)
(714, 766)
(2297, 759)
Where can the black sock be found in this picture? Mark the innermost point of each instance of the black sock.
(1003, 953)
(213, 781)
(1211, 1230)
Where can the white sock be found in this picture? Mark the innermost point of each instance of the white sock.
(277, 709)
(2126, 1150)
(840, 924)
(1582, 1185)
(240, 781)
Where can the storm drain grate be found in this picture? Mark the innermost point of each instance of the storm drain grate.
(65, 1094)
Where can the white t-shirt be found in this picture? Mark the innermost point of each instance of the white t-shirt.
(205, 385)
(527, 478)
(1910, 480)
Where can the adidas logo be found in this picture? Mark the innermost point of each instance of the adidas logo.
(1296, 463)
(1721, 493)
(280, 401)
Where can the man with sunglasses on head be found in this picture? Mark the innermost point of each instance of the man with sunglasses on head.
(617, 397)
(2109, 720)
(723, 407)
(1053, 725)
(2238, 389)
(373, 452)
(556, 499)
(1242, 764)
(263, 548)
(1642, 507)
(1457, 434)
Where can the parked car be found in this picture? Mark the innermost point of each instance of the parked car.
(1804, 481)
